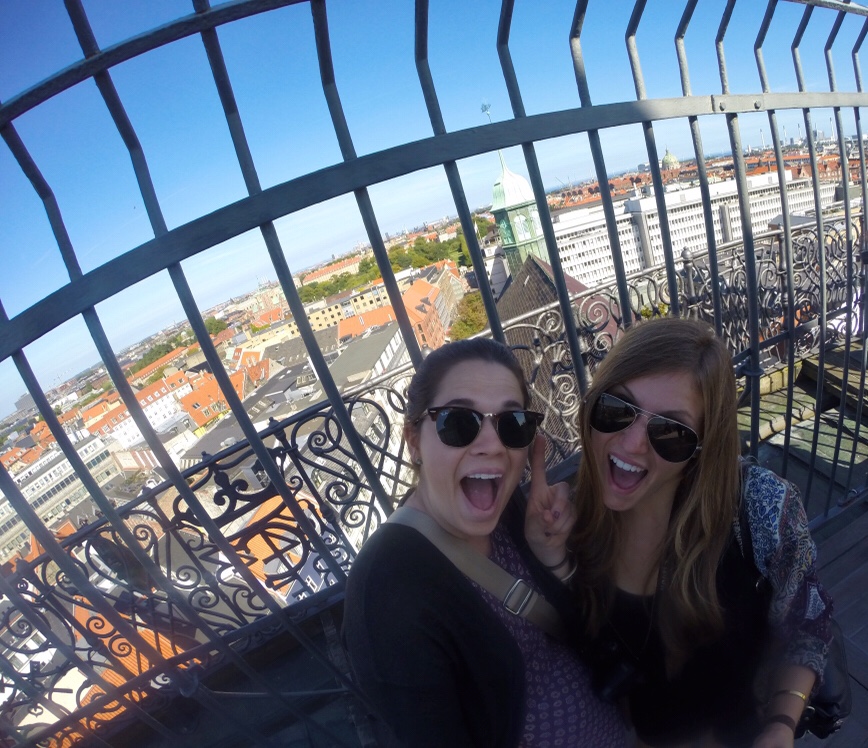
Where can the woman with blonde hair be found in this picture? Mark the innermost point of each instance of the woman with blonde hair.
(671, 531)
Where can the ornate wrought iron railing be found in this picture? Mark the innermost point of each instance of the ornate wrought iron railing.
(148, 623)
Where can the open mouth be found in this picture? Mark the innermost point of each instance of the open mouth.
(481, 489)
(624, 475)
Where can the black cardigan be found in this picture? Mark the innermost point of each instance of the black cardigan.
(427, 649)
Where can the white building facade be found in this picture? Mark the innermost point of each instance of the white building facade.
(53, 491)
(583, 241)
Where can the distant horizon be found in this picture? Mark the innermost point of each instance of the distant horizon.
(356, 249)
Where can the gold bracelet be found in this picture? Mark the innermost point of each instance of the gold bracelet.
(791, 692)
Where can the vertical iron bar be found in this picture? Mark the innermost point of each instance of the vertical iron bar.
(512, 87)
(275, 251)
(451, 169)
(863, 246)
(653, 159)
(821, 251)
(45, 194)
(702, 171)
(627, 317)
(752, 372)
(718, 45)
(348, 151)
(848, 315)
(787, 244)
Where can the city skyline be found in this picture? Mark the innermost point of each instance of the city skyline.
(713, 163)
(285, 118)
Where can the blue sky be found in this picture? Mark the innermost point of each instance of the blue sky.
(171, 100)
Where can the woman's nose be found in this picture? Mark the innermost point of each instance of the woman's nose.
(487, 439)
(635, 436)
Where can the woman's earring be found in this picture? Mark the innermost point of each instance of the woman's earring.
(417, 461)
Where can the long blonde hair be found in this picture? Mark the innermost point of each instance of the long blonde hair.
(706, 500)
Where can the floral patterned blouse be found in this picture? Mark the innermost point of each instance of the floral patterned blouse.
(800, 611)
(561, 709)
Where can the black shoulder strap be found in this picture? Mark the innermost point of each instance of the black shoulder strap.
(516, 595)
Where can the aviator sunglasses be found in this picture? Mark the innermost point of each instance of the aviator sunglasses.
(673, 441)
(458, 426)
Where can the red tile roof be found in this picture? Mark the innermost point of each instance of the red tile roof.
(11, 456)
(356, 325)
(143, 374)
(328, 270)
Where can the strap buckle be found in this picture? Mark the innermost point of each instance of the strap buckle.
(522, 597)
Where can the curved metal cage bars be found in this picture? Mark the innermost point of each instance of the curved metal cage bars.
(158, 617)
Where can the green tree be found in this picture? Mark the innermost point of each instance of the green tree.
(342, 282)
(156, 376)
(185, 337)
(482, 225)
(310, 292)
(368, 268)
(214, 325)
(400, 259)
(155, 353)
(471, 317)
(88, 400)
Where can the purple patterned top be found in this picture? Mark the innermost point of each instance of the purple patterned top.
(561, 709)
(784, 553)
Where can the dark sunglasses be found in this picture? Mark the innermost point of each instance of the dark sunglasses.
(672, 440)
(458, 427)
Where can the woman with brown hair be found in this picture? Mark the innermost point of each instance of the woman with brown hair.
(679, 629)
(445, 661)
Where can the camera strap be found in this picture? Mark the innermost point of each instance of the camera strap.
(516, 595)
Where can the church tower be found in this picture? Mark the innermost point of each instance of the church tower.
(670, 161)
(515, 212)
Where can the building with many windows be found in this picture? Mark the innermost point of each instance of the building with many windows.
(329, 311)
(583, 241)
(52, 488)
